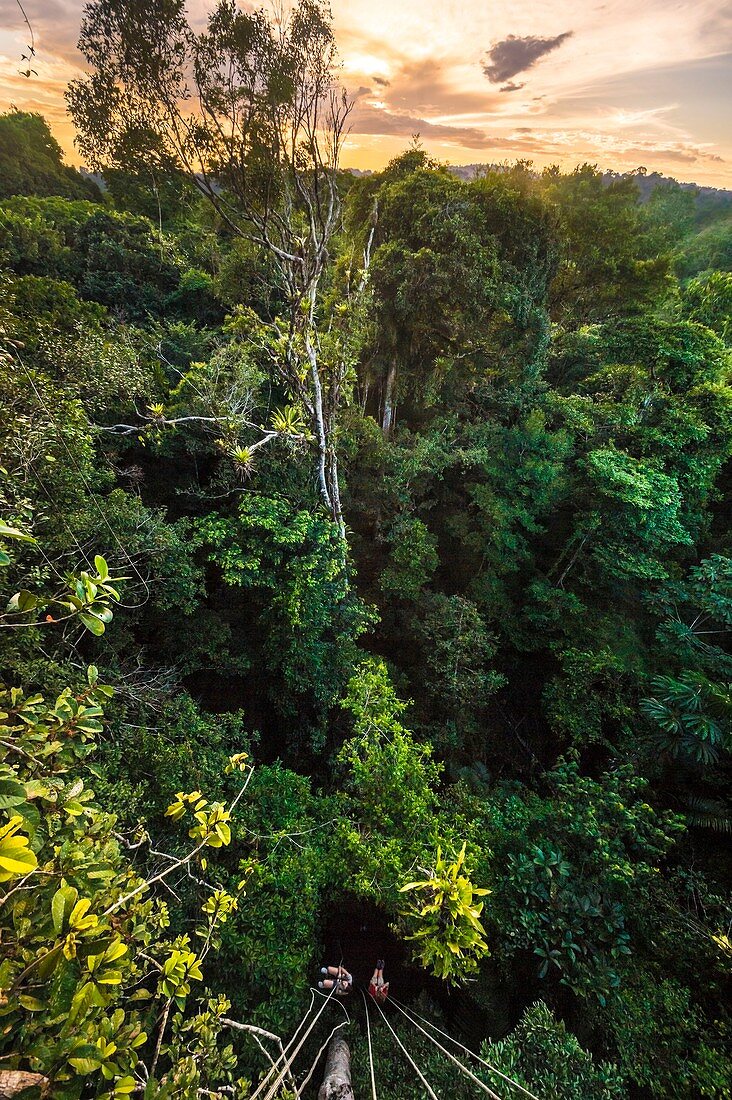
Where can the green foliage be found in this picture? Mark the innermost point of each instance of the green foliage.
(412, 560)
(393, 822)
(670, 214)
(445, 920)
(11, 534)
(708, 250)
(571, 891)
(63, 957)
(79, 936)
(454, 289)
(270, 945)
(641, 515)
(708, 300)
(54, 303)
(86, 596)
(593, 697)
(390, 776)
(116, 259)
(693, 715)
(608, 265)
(457, 652)
(16, 856)
(531, 416)
(293, 561)
(158, 195)
(31, 161)
(426, 294)
(543, 1056)
(660, 1040)
(695, 614)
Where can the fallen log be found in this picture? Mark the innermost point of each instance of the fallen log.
(337, 1077)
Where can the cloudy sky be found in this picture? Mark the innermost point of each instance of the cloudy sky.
(620, 83)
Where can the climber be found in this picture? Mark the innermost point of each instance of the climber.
(378, 988)
(336, 976)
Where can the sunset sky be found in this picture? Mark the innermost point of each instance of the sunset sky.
(620, 83)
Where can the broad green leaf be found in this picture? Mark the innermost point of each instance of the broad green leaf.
(12, 793)
(92, 623)
(7, 532)
(22, 603)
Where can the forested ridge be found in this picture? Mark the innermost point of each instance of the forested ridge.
(364, 546)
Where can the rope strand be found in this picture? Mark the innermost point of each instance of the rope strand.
(283, 1053)
(463, 1069)
(371, 1053)
(413, 1064)
(271, 1092)
(344, 1023)
(467, 1050)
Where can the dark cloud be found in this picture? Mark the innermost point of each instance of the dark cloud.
(514, 55)
(512, 87)
(381, 81)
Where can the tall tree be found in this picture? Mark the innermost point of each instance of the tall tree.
(31, 161)
(250, 110)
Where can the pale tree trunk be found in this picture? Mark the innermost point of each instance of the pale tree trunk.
(387, 421)
(319, 425)
(335, 491)
(13, 1081)
(323, 422)
(337, 1078)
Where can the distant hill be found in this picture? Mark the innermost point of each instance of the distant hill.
(647, 181)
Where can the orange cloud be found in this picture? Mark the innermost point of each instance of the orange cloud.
(616, 84)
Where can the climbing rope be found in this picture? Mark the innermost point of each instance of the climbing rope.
(467, 1050)
(283, 1052)
(371, 1053)
(408, 1056)
(272, 1090)
(344, 1023)
(463, 1069)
